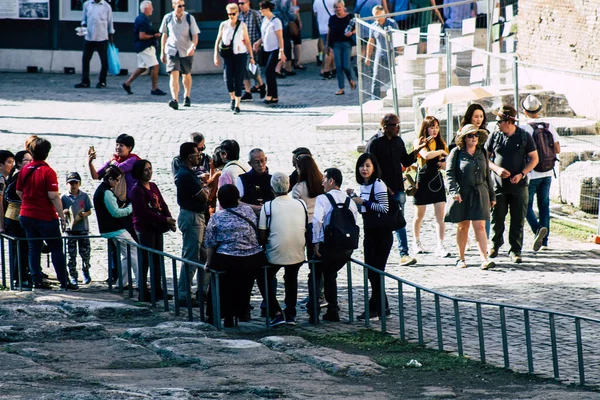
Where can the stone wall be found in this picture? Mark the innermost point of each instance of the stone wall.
(560, 33)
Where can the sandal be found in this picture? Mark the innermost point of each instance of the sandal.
(352, 85)
(340, 92)
(300, 67)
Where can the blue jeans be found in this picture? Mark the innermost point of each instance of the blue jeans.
(341, 55)
(36, 228)
(400, 198)
(540, 188)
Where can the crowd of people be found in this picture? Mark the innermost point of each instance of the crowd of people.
(238, 217)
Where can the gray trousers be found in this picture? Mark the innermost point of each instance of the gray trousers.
(192, 225)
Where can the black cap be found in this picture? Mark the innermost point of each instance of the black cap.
(73, 176)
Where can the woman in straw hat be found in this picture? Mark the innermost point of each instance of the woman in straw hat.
(471, 190)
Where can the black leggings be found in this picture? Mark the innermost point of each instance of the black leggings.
(272, 60)
(377, 246)
(235, 69)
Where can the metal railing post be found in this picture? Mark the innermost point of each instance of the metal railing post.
(200, 297)
(350, 294)
(438, 323)
(19, 263)
(110, 245)
(516, 82)
(359, 77)
(119, 267)
(175, 286)
(480, 333)
(188, 297)
(366, 296)
(4, 263)
(419, 316)
(129, 271)
(459, 343)
(579, 351)
(528, 341)
(216, 297)
(449, 121)
(401, 311)
(163, 281)
(504, 338)
(392, 69)
(553, 344)
(383, 310)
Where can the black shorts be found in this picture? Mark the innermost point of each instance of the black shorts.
(181, 64)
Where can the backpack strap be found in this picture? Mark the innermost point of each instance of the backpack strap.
(357, 10)
(327, 10)
(269, 213)
(331, 200)
(305, 213)
(188, 18)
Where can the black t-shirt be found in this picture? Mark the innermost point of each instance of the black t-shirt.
(188, 186)
(337, 26)
(510, 153)
(391, 155)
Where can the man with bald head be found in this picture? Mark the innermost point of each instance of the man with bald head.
(389, 149)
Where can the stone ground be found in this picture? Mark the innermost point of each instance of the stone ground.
(563, 279)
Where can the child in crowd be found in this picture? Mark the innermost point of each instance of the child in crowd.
(77, 208)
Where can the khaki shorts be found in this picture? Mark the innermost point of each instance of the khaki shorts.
(147, 58)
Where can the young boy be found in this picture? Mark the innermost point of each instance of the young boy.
(77, 207)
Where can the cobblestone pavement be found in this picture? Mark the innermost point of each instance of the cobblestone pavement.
(563, 279)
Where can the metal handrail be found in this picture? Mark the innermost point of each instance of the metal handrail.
(456, 301)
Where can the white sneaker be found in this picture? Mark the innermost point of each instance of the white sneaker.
(441, 251)
(417, 247)
(487, 264)
(461, 264)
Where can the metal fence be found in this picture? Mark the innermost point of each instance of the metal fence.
(525, 339)
(423, 57)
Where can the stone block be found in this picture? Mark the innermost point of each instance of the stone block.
(580, 185)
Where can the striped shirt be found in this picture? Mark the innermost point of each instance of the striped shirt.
(381, 198)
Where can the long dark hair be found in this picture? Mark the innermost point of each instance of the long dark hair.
(376, 169)
(18, 160)
(428, 122)
(469, 116)
(309, 173)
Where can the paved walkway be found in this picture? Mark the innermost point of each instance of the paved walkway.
(563, 279)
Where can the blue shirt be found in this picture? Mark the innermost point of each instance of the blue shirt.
(401, 5)
(455, 15)
(98, 19)
(380, 42)
(142, 24)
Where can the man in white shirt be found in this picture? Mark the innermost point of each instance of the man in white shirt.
(282, 229)
(332, 260)
(539, 182)
(98, 18)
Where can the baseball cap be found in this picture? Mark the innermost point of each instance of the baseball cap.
(73, 177)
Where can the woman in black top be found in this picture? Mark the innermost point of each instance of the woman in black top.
(339, 38)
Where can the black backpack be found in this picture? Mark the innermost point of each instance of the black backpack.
(342, 232)
(544, 141)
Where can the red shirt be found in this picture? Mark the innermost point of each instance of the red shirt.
(36, 203)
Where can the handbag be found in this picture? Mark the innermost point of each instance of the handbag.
(114, 65)
(410, 187)
(226, 50)
(390, 221)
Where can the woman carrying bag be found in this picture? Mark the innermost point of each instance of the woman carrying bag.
(374, 205)
(233, 45)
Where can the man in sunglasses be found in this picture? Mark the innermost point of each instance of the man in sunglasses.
(203, 167)
(178, 44)
(512, 155)
(389, 149)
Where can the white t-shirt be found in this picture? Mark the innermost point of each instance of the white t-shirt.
(527, 128)
(322, 15)
(286, 242)
(268, 29)
(239, 47)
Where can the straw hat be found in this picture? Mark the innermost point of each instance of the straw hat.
(506, 113)
(467, 129)
(531, 104)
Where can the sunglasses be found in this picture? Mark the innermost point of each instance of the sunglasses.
(202, 148)
(232, 14)
(241, 4)
(180, 5)
(398, 125)
(472, 135)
